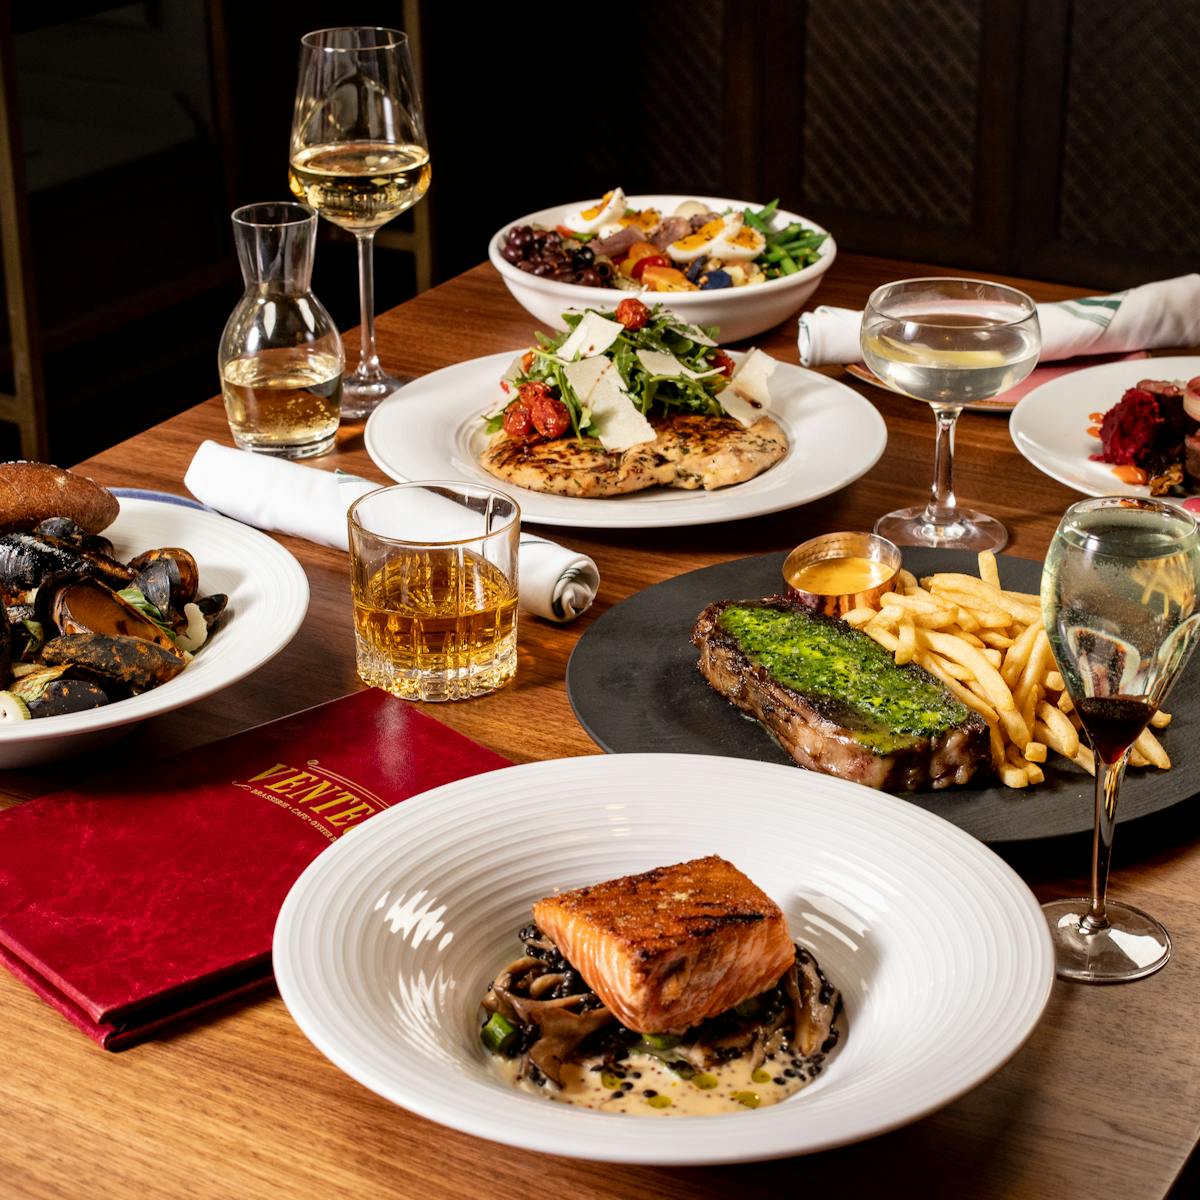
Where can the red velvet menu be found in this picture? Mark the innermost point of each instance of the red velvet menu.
(142, 899)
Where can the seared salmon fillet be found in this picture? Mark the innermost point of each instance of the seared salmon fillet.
(674, 946)
(690, 451)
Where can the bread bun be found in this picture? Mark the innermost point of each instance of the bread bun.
(30, 492)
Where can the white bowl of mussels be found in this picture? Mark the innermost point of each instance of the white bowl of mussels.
(169, 604)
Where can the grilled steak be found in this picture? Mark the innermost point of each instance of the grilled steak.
(835, 700)
(671, 947)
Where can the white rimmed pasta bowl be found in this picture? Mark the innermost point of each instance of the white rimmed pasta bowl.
(388, 940)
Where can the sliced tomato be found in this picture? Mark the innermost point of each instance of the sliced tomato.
(642, 265)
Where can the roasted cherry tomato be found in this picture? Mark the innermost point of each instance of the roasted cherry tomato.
(633, 314)
(517, 422)
(527, 360)
(535, 389)
(723, 363)
(550, 416)
(651, 260)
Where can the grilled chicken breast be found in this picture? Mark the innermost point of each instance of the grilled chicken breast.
(690, 451)
(671, 947)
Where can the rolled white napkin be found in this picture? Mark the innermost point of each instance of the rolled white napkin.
(1165, 313)
(287, 497)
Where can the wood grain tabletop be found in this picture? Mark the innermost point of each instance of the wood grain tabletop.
(1103, 1099)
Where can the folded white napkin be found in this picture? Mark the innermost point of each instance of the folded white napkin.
(1166, 313)
(287, 497)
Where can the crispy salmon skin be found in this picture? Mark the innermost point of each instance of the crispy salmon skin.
(671, 947)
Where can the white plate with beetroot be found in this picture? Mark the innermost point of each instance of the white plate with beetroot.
(1050, 426)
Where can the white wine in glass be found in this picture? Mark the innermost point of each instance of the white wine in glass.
(359, 157)
(1121, 605)
(949, 342)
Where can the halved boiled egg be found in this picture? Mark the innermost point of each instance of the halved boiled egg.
(701, 242)
(604, 212)
(738, 242)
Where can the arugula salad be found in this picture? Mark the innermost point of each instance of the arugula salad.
(607, 373)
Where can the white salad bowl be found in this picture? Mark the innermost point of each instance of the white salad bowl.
(387, 942)
(268, 598)
(740, 312)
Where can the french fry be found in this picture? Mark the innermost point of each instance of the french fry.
(1013, 777)
(907, 648)
(1055, 729)
(959, 651)
(1084, 758)
(858, 617)
(988, 571)
(1035, 667)
(1136, 758)
(1054, 681)
(1160, 720)
(1035, 773)
(884, 637)
(905, 579)
(938, 667)
(1151, 749)
(1018, 654)
(993, 656)
(1035, 752)
(998, 641)
(1065, 703)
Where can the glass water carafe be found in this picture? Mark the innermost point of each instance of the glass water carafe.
(281, 359)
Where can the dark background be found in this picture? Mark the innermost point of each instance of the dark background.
(1057, 139)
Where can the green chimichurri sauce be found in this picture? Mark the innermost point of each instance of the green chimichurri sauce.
(891, 706)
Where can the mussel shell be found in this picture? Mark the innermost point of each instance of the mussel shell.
(185, 581)
(212, 607)
(6, 653)
(137, 664)
(155, 582)
(62, 696)
(71, 533)
(88, 606)
(25, 561)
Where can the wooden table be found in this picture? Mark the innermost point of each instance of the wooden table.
(1105, 1097)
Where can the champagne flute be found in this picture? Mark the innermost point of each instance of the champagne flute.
(948, 342)
(359, 157)
(1121, 607)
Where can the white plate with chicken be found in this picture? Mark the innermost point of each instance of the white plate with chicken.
(824, 436)
(652, 892)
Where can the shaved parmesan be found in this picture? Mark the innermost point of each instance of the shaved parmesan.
(746, 397)
(593, 335)
(658, 363)
(615, 419)
(696, 334)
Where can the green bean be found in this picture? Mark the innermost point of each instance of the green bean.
(788, 266)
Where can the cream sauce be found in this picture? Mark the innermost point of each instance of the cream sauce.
(642, 1086)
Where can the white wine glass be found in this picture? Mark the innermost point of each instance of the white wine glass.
(359, 157)
(949, 342)
(1121, 605)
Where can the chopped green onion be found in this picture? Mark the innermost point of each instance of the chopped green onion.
(498, 1034)
(660, 1041)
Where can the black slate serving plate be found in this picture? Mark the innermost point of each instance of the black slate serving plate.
(633, 683)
